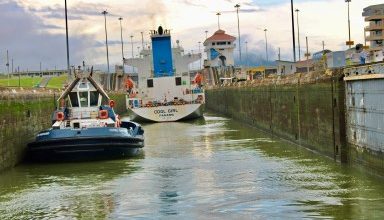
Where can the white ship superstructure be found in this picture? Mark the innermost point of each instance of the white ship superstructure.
(164, 91)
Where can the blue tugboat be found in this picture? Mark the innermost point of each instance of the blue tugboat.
(85, 127)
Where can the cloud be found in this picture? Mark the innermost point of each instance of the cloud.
(248, 10)
(40, 28)
(29, 42)
(77, 12)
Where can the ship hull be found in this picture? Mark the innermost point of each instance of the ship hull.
(84, 144)
(166, 113)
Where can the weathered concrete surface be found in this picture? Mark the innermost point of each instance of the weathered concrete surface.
(308, 109)
(21, 117)
(365, 123)
(23, 114)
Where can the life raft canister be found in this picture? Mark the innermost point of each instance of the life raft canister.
(59, 116)
(103, 114)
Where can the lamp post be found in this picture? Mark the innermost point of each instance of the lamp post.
(142, 40)
(266, 45)
(121, 37)
(293, 33)
(349, 42)
(298, 31)
(206, 34)
(138, 51)
(122, 54)
(66, 37)
(7, 64)
(199, 55)
(106, 45)
(218, 20)
(237, 6)
(246, 53)
(307, 54)
(132, 44)
(18, 71)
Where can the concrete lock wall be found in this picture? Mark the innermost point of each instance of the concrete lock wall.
(308, 110)
(365, 120)
(22, 116)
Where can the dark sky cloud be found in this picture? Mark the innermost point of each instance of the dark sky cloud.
(78, 12)
(29, 43)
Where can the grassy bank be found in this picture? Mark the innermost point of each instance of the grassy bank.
(31, 82)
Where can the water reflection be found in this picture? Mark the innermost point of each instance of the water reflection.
(69, 190)
(213, 168)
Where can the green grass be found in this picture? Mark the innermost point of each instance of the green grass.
(25, 82)
(57, 82)
(30, 82)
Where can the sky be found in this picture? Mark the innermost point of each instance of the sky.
(33, 31)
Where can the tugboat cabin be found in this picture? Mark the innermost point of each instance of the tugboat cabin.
(84, 104)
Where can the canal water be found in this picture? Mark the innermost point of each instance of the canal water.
(211, 168)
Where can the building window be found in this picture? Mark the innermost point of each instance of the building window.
(229, 43)
(213, 44)
(178, 81)
(150, 83)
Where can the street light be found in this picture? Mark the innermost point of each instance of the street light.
(266, 44)
(206, 34)
(138, 51)
(106, 45)
(132, 44)
(218, 20)
(349, 42)
(298, 31)
(237, 6)
(246, 53)
(122, 44)
(199, 54)
(66, 35)
(293, 33)
(7, 64)
(307, 54)
(142, 40)
(122, 52)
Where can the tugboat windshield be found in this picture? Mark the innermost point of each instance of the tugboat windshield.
(93, 98)
(74, 100)
(83, 99)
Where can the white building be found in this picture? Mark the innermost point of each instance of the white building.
(285, 67)
(374, 15)
(219, 48)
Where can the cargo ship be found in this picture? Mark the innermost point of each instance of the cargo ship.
(165, 90)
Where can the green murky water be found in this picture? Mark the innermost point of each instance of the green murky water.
(205, 169)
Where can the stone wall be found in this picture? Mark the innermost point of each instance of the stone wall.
(308, 109)
(23, 115)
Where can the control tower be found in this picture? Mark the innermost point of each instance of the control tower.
(219, 48)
